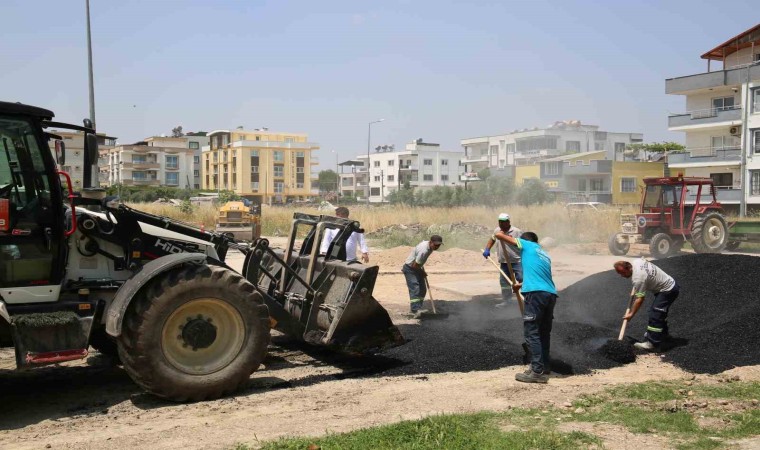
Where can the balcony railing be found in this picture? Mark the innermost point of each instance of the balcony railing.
(475, 159)
(706, 116)
(409, 167)
(469, 177)
(706, 154)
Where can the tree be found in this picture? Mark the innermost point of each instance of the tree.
(328, 181)
(484, 173)
(635, 150)
(177, 131)
(532, 192)
(228, 196)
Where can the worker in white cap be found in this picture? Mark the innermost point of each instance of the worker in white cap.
(506, 253)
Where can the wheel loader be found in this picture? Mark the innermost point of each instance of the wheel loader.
(79, 269)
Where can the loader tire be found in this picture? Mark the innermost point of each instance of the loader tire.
(709, 233)
(194, 333)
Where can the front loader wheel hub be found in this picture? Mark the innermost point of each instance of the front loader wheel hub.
(199, 333)
(203, 336)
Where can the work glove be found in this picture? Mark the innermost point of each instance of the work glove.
(486, 253)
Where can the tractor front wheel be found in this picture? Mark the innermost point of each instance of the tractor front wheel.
(661, 246)
(709, 233)
(194, 333)
(616, 247)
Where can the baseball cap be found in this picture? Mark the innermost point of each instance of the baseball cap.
(436, 239)
(503, 217)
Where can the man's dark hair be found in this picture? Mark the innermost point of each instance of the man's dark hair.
(623, 265)
(341, 211)
(530, 236)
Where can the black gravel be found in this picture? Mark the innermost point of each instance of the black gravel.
(619, 351)
(713, 321)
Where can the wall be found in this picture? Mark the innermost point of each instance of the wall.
(637, 170)
(523, 173)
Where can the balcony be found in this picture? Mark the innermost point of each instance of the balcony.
(713, 116)
(314, 161)
(471, 176)
(140, 182)
(409, 167)
(475, 159)
(706, 156)
(587, 196)
(275, 144)
(718, 78)
(139, 165)
(140, 149)
(725, 194)
(599, 167)
(174, 167)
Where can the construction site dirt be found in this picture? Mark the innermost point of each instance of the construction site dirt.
(464, 363)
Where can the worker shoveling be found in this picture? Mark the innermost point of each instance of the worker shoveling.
(621, 349)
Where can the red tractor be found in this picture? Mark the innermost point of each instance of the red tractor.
(674, 210)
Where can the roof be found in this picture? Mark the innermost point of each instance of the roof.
(736, 43)
(573, 156)
(20, 108)
(352, 162)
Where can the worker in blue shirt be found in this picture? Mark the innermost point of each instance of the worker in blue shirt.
(540, 298)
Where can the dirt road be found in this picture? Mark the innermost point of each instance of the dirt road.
(303, 391)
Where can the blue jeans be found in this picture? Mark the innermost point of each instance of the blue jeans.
(537, 327)
(415, 282)
(506, 289)
(657, 328)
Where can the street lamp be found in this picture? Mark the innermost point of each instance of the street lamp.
(369, 139)
(337, 177)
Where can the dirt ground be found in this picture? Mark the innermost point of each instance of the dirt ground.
(302, 391)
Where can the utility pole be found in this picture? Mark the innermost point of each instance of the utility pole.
(382, 187)
(89, 66)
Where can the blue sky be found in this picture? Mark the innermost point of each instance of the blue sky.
(439, 70)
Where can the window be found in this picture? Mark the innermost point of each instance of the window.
(391, 163)
(172, 178)
(573, 146)
(391, 178)
(194, 145)
(511, 148)
(278, 187)
(254, 169)
(278, 156)
(619, 147)
(374, 192)
(599, 146)
(552, 168)
(444, 162)
(258, 138)
(756, 100)
(597, 185)
(279, 171)
(493, 149)
(427, 162)
(299, 169)
(723, 103)
(581, 185)
(537, 143)
(376, 163)
(289, 139)
(299, 154)
(172, 162)
(377, 178)
(196, 159)
(628, 184)
(255, 186)
(755, 185)
(756, 141)
(502, 164)
(723, 180)
(254, 153)
(196, 173)
(299, 185)
(444, 178)
(427, 177)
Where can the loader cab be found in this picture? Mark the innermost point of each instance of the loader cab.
(32, 245)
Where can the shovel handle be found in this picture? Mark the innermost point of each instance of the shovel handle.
(430, 293)
(625, 321)
(520, 301)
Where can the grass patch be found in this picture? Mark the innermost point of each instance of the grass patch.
(656, 392)
(458, 431)
(733, 390)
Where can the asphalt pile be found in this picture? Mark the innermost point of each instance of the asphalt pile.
(712, 324)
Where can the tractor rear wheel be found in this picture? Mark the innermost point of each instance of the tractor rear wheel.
(617, 248)
(709, 233)
(195, 333)
(661, 246)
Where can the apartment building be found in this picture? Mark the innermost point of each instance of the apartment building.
(195, 142)
(501, 153)
(721, 121)
(593, 177)
(421, 165)
(156, 161)
(352, 178)
(74, 141)
(261, 165)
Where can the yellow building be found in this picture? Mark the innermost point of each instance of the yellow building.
(523, 173)
(263, 165)
(625, 173)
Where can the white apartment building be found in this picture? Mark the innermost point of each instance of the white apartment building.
(74, 142)
(352, 178)
(721, 121)
(500, 153)
(156, 161)
(421, 165)
(195, 142)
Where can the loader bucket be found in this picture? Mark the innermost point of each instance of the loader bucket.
(333, 307)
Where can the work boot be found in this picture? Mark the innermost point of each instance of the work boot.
(529, 376)
(646, 345)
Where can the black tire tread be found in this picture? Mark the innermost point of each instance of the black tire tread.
(697, 229)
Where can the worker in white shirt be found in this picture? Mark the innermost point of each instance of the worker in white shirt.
(356, 239)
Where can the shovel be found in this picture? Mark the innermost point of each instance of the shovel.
(620, 350)
(520, 301)
(435, 314)
(625, 321)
